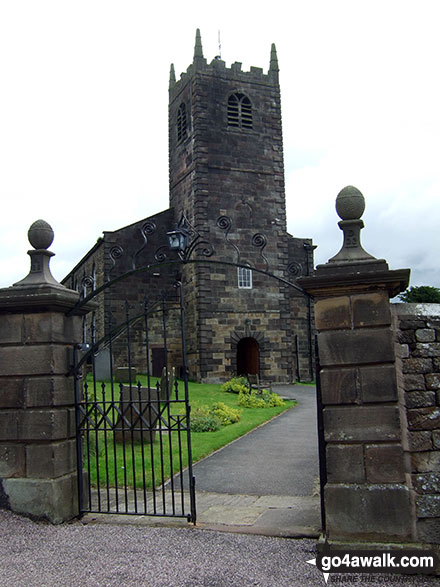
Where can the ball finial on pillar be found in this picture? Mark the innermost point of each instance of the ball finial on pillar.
(350, 205)
(40, 234)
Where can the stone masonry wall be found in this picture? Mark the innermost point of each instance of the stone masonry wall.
(365, 459)
(417, 328)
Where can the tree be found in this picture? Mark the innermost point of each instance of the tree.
(421, 294)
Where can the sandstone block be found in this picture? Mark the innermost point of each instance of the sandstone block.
(11, 393)
(384, 463)
(332, 313)
(371, 309)
(367, 512)
(51, 460)
(345, 463)
(55, 500)
(355, 347)
(361, 423)
(378, 383)
(33, 360)
(338, 386)
(48, 391)
(51, 327)
(11, 328)
(12, 460)
(45, 424)
(9, 420)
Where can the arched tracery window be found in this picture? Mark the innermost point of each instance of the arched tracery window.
(239, 111)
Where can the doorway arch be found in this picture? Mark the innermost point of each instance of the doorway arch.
(248, 356)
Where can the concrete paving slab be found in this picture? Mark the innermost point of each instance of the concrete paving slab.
(235, 516)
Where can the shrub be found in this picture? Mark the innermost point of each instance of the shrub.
(253, 399)
(226, 414)
(275, 400)
(236, 385)
(210, 419)
(202, 420)
(250, 399)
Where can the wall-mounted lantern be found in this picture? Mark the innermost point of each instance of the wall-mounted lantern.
(178, 239)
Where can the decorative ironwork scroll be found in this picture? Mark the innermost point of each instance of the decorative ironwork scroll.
(116, 253)
(225, 223)
(295, 269)
(148, 228)
(260, 241)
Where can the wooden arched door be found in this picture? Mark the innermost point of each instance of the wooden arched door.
(248, 356)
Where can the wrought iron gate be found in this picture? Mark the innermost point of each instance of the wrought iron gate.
(133, 437)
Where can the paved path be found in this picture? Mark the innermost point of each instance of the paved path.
(267, 481)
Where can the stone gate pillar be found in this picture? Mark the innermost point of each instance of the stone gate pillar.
(366, 496)
(38, 472)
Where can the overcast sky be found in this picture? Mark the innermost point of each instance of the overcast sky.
(84, 131)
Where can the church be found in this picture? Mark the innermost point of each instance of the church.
(244, 313)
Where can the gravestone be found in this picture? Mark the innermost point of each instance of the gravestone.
(103, 370)
(123, 375)
(139, 408)
(166, 392)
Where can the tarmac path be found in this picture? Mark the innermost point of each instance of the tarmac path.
(278, 458)
(267, 481)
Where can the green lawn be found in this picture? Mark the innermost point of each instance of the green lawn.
(113, 463)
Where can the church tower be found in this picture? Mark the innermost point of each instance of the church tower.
(225, 140)
(226, 175)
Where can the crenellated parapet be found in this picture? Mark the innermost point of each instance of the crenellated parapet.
(218, 66)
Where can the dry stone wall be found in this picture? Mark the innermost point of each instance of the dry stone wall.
(417, 328)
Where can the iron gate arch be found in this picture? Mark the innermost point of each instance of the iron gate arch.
(160, 500)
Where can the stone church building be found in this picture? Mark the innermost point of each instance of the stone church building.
(243, 313)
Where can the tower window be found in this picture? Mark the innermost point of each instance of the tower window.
(181, 123)
(244, 278)
(239, 111)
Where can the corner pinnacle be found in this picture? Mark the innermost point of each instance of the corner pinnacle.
(172, 76)
(273, 59)
(198, 50)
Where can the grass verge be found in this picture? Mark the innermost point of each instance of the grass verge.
(141, 464)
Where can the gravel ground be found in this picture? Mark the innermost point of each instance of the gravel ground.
(39, 554)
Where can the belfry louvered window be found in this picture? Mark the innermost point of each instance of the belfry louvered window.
(181, 123)
(239, 111)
